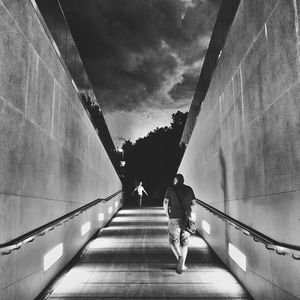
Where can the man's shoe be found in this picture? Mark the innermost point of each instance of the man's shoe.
(179, 268)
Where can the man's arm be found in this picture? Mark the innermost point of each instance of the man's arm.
(166, 206)
(134, 191)
(145, 192)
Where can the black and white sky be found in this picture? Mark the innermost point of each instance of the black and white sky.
(143, 57)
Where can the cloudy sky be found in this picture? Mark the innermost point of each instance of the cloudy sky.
(143, 57)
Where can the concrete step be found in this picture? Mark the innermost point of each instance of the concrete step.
(131, 259)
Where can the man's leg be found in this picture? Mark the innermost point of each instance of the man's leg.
(140, 200)
(176, 249)
(184, 251)
(184, 241)
(174, 238)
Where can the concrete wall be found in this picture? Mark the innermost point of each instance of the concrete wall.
(243, 157)
(51, 159)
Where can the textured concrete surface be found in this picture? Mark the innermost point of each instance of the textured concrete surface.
(243, 157)
(131, 259)
(51, 159)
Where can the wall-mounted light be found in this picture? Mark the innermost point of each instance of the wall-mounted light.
(51, 257)
(110, 209)
(101, 216)
(206, 227)
(237, 256)
(122, 163)
(85, 228)
(116, 204)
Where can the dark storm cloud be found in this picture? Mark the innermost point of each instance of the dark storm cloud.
(184, 89)
(142, 54)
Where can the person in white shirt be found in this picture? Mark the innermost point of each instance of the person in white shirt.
(140, 189)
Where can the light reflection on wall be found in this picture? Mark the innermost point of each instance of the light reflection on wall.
(237, 256)
(206, 226)
(101, 217)
(85, 228)
(193, 216)
(53, 256)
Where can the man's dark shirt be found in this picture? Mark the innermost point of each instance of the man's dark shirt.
(186, 194)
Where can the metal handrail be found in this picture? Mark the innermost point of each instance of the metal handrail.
(29, 237)
(270, 244)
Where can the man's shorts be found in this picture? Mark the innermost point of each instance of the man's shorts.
(177, 234)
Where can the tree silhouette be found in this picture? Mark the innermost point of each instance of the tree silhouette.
(154, 159)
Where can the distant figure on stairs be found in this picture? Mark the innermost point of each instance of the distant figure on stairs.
(140, 189)
(176, 209)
